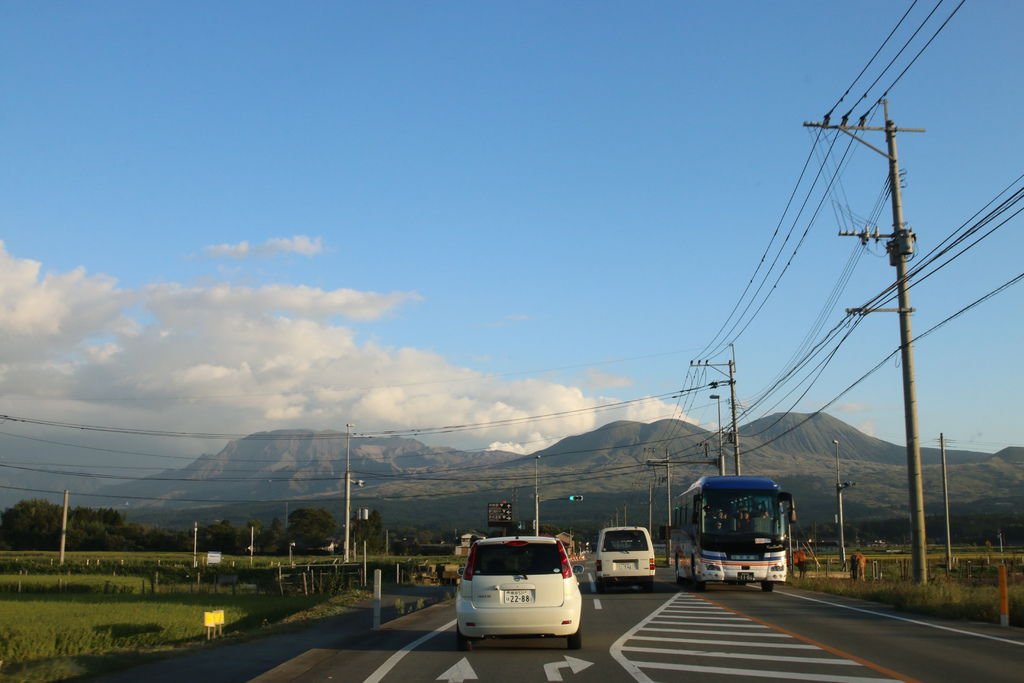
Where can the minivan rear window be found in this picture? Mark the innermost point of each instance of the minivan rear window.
(624, 540)
(530, 558)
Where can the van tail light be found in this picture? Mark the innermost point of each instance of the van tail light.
(564, 557)
(467, 573)
(652, 564)
(598, 562)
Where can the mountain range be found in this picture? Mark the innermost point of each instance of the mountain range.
(412, 484)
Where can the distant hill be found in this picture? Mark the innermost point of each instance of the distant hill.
(413, 484)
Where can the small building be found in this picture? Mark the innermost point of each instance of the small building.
(466, 541)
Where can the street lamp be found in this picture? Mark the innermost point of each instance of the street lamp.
(721, 453)
(291, 544)
(348, 485)
(840, 485)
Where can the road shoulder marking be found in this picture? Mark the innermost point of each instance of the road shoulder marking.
(906, 619)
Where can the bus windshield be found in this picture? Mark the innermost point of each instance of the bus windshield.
(740, 513)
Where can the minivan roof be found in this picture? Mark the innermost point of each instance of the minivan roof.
(505, 539)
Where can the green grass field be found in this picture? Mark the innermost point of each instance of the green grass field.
(40, 626)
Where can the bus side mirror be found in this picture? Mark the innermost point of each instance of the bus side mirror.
(788, 498)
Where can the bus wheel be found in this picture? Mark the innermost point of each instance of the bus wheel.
(767, 586)
(699, 586)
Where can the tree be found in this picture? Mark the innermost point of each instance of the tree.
(311, 528)
(222, 536)
(32, 525)
(371, 531)
(271, 539)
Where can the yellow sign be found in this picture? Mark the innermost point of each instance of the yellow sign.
(215, 618)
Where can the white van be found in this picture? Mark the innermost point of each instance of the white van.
(625, 556)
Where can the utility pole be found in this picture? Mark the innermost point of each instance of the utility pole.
(64, 527)
(536, 496)
(839, 508)
(900, 246)
(650, 505)
(668, 490)
(732, 396)
(721, 453)
(348, 485)
(945, 499)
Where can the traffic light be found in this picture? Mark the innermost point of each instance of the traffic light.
(575, 499)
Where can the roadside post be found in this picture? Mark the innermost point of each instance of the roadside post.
(376, 599)
(1004, 598)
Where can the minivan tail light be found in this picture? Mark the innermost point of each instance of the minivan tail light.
(467, 573)
(566, 567)
(598, 564)
(652, 564)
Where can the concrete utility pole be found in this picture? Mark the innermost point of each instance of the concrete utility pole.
(721, 453)
(945, 499)
(536, 496)
(348, 485)
(732, 396)
(839, 508)
(668, 491)
(64, 527)
(732, 402)
(900, 246)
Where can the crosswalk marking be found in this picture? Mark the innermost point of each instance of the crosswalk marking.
(675, 639)
(741, 655)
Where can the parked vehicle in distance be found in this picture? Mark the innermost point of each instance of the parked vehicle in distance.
(625, 556)
(518, 587)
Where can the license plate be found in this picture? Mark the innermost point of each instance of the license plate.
(745, 576)
(518, 597)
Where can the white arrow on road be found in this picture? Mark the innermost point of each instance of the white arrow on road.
(460, 672)
(575, 665)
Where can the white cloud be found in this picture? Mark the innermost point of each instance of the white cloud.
(240, 250)
(598, 379)
(299, 244)
(43, 315)
(226, 359)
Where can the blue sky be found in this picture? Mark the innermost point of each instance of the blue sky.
(234, 217)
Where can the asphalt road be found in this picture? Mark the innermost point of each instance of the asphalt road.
(729, 633)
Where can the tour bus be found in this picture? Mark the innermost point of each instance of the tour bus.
(732, 529)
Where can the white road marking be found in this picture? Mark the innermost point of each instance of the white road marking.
(572, 663)
(597, 604)
(462, 671)
(593, 583)
(676, 620)
(741, 655)
(394, 659)
(909, 621)
(761, 673)
(733, 643)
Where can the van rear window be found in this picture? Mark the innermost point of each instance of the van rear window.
(530, 558)
(624, 541)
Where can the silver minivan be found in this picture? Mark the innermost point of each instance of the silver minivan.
(625, 556)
